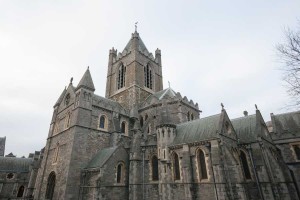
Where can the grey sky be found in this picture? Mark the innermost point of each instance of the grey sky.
(212, 52)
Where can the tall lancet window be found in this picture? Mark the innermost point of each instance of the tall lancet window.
(121, 76)
(148, 76)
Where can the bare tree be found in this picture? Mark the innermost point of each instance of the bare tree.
(289, 53)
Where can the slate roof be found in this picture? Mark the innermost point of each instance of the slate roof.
(287, 123)
(12, 164)
(86, 81)
(245, 128)
(166, 93)
(109, 104)
(142, 47)
(101, 157)
(197, 130)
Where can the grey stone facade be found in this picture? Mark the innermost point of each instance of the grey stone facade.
(145, 142)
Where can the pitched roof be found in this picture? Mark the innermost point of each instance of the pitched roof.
(287, 123)
(163, 94)
(60, 97)
(101, 157)
(245, 128)
(86, 81)
(109, 104)
(13, 164)
(197, 130)
(141, 44)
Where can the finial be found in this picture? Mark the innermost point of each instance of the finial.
(135, 24)
(169, 84)
(256, 107)
(88, 67)
(222, 105)
(71, 80)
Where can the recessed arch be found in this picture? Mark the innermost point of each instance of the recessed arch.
(148, 76)
(121, 76)
(120, 178)
(245, 164)
(124, 128)
(50, 186)
(103, 122)
(202, 165)
(154, 167)
(21, 191)
(176, 166)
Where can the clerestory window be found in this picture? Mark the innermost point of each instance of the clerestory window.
(202, 165)
(245, 165)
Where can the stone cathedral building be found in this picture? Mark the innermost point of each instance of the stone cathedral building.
(142, 141)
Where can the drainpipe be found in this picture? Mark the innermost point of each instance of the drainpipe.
(212, 167)
(255, 173)
(143, 150)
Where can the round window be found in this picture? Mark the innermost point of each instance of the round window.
(10, 176)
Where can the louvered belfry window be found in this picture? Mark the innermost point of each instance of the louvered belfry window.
(148, 76)
(121, 76)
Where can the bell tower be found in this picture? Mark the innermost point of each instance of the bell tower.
(134, 73)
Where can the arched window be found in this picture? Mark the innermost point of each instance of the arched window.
(176, 169)
(120, 173)
(121, 76)
(148, 76)
(102, 122)
(141, 121)
(192, 116)
(20, 191)
(202, 165)
(50, 186)
(245, 165)
(188, 116)
(123, 127)
(154, 163)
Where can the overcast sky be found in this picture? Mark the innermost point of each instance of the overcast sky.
(212, 52)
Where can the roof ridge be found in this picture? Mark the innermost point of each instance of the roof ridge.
(196, 120)
(243, 117)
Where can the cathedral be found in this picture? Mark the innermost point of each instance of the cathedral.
(146, 142)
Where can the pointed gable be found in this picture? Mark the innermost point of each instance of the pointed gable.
(60, 97)
(141, 45)
(198, 130)
(245, 128)
(86, 81)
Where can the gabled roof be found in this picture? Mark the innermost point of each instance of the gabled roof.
(245, 128)
(109, 104)
(13, 164)
(101, 157)
(197, 130)
(163, 94)
(60, 97)
(287, 123)
(141, 44)
(86, 81)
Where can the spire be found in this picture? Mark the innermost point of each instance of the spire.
(86, 81)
